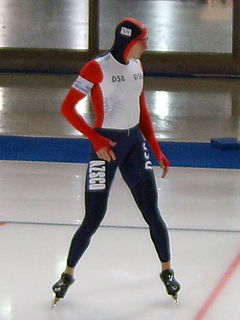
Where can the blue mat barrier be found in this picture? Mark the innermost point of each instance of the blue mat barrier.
(226, 143)
(76, 150)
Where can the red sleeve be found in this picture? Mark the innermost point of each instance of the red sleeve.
(92, 73)
(148, 132)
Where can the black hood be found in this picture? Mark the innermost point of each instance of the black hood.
(127, 30)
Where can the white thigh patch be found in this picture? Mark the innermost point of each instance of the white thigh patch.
(97, 175)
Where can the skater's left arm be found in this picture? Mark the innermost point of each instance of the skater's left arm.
(148, 132)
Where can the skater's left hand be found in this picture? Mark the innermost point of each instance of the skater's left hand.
(164, 167)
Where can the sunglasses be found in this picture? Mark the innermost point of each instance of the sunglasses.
(143, 39)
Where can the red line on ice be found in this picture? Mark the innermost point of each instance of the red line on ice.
(221, 284)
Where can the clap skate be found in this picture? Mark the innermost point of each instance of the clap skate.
(61, 286)
(171, 284)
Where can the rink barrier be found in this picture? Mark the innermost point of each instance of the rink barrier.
(76, 150)
(226, 143)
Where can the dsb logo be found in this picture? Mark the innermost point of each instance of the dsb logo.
(118, 78)
(138, 76)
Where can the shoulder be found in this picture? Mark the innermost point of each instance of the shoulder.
(92, 72)
(101, 58)
(136, 63)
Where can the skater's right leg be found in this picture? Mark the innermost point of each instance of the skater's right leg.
(81, 240)
(96, 204)
(96, 197)
(98, 182)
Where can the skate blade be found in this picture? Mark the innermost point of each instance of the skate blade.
(54, 303)
(175, 298)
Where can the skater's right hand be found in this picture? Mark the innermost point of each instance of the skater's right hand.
(106, 153)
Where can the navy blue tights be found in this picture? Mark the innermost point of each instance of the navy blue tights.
(145, 195)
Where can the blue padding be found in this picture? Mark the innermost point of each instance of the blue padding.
(44, 149)
(76, 150)
(226, 143)
(202, 155)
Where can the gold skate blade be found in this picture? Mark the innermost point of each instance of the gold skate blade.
(54, 303)
(175, 298)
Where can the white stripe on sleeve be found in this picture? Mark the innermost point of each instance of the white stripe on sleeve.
(82, 85)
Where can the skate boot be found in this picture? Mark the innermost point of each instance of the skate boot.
(61, 286)
(171, 284)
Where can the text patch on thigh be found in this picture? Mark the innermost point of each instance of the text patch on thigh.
(97, 175)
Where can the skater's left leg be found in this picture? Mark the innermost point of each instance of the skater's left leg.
(138, 174)
(145, 195)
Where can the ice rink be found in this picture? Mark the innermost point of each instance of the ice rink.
(117, 277)
(42, 203)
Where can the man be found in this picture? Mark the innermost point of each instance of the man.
(114, 82)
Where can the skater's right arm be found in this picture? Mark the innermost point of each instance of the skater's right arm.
(89, 77)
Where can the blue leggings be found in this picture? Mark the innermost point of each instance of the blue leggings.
(136, 169)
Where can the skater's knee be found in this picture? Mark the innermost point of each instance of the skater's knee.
(86, 231)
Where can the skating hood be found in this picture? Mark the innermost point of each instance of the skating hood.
(128, 32)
